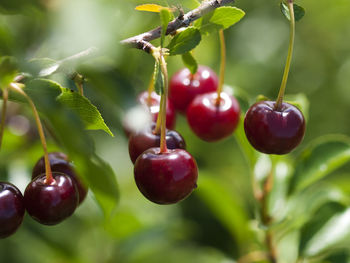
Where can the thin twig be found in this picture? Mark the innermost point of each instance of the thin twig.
(183, 20)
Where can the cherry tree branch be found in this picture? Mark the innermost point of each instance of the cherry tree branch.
(183, 20)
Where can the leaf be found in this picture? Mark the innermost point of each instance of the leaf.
(8, 71)
(299, 11)
(165, 18)
(190, 62)
(191, 4)
(151, 8)
(336, 230)
(300, 101)
(226, 16)
(158, 79)
(184, 41)
(224, 205)
(88, 113)
(323, 156)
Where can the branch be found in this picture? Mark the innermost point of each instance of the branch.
(183, 20)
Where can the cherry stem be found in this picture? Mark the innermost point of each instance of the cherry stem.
(150, 90)
(49, 178)
(163, 101)
(222, 66)
(3, 114)
(289, 56)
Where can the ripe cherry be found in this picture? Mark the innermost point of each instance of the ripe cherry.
(141, 141)
(184, 86)
(11, 209)
(59, 162)
(211, 121)
(274, 131)
(50, 204)
(165, 178)
(153, 104)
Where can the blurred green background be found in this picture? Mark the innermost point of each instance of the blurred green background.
(211, 225)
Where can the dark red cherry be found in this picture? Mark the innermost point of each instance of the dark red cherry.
(141, 141)
(153, 104)
(184, 86)
(59, 162)
(212, 122)
(50, 204)
(11, 209)
(274, 131)
(165, 178)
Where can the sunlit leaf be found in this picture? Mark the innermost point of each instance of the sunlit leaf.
(8, 71)
(165, 18)
(226, 16)
(184, 41)
(151, 8)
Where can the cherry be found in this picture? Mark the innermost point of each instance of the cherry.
(165, 178)
(184, 86)
(59, 162)
(50, 204)
(11, 209)
(141, 141)
(274, 131)
(153, 105)
(212, 122)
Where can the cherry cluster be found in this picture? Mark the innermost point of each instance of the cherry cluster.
(49, 203)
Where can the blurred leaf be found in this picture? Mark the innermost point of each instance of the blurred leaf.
(320, 158)
(287, 248)
(223, 203)
(158, 79)
(300, 101)
(151, 8)
(184, 41)
(190, 62)
(299, 11)
(165, 18)
(191, 4)
(226, 16)
(88, 113)
(240, 94)
(8, 71)
(336, 230)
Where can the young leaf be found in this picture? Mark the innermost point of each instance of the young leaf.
(191, 4)
(321, 158)
(8, 71)
(299, 11)
(165, 18)
(226, 16)
(190, 62)
(184, 41)
(88, 113)
(151, 8)
(158, 79)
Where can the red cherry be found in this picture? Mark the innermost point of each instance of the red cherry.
(165, 178)
(59, 162)
(274, 131)
(184, 86)
(153, 105)
(11, 209)
(212, 122)
(141, 141)
(50, 204)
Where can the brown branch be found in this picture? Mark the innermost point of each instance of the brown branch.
(183, 20)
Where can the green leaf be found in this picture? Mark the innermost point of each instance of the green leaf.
(88, 113)
(333, 233)
(322, 157)
(185, 41)
(158, 79)
(165, 18)
(8, 71)
(190, 62)
(300, 101)
(225, 206)
(191, 4)
(299, 11)
(226, 16)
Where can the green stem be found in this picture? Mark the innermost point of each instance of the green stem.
(3, 114)
(222, 65)
(289, 56)
(163, 66)
(150, 90)
(49, 178)
(79, 82)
